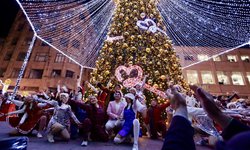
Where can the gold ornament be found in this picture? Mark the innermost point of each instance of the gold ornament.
(125, 45)
(139, 36)
(163, 77)
(118, 44)
(126, 24)
(121, 15)
(148, 50)
(127, 18)
(132, 37)
(157, 73)
(156, 86)
(107, 72)
(153, 40)
(120, 58)
(150, 81)
(110, 50)
(133, 48)
(126, 33)
(158, 63)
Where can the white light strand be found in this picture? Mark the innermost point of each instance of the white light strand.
(75, 28)
(207, 27)
(78, 28)
(25, 62)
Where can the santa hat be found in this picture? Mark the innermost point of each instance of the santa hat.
(130, 96)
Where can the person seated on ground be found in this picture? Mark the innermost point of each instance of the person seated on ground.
(95, 123)
(131, 124)
(154, 119)
(180, 134)
(31, 116)
(115, 113)
(60, 121)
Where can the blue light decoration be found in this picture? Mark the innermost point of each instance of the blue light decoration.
(197, 27)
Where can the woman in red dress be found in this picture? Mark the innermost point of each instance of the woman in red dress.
(31, 116)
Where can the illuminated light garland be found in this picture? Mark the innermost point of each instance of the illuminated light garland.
(78, 28)
(217, 26)
(133, 81)
(75, 28)
(25, 62)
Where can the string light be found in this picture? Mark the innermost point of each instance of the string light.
(78, 28)
(75, 28)
(219, 26)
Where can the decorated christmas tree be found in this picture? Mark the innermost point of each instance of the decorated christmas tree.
(137, 36)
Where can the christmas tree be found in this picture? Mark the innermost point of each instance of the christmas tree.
(137, 37)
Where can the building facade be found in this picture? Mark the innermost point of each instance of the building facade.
(222, 75)
(46, 66)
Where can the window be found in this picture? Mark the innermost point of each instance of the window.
(232, 58)
(15, 73)
(192, 77)
(75, 43)
(64, 42)
(69, 74)
(237, 78)
(189, 57)
(56, 73)
(21, 56)
(8, 56)
(248, 77)
(59, 58)
(2, 71)
(36, 74)
(41, 57)
(14, 41)
(245, 58)
(207, 77)
(222, 78)
(217, 58)
(202, 57)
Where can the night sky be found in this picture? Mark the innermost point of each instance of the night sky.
(8, 11)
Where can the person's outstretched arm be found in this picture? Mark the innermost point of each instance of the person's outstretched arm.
(180, 133)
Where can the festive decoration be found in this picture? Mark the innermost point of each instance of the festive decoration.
(150, 25)
(111, 39)
(26, 59)
(77, 29)
(141, 51)
(133, 81)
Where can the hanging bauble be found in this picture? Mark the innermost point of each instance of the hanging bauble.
(153, 40)
(148, 50)
(126, 33)
(107, 72)
(133, 48)
(150, 82)
(156, 86)
(110, 50)
(120, 58)
(163, 77)
(132, 37)
(157, 73)
(121, 15)
(125, 45)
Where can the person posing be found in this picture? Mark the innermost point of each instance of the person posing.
(31, 116)
(115, 113)
(154, 119)
(131, 124)
(95, 123)
(60, 121)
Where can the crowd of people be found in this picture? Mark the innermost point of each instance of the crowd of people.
(111, 114)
